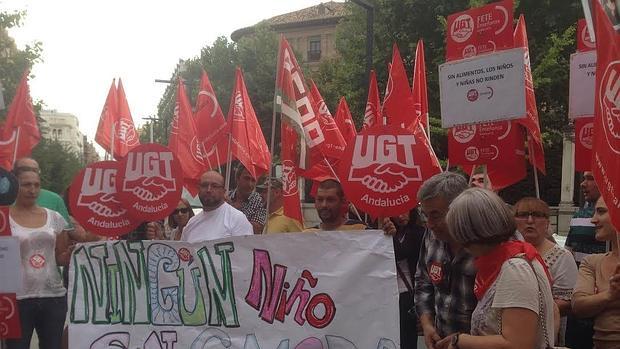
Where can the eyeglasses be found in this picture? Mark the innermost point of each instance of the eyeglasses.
(181, 210)
(524, 215)
(434, 216)
(207, 185)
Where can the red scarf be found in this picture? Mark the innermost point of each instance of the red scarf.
(490, 264)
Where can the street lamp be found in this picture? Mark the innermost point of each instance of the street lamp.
(370, 20)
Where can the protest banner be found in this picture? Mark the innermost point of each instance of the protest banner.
(479, 30)
(149, 182)
(483, 89)
(284, 291)
(383, 168)
(581, 86)
(584, 131)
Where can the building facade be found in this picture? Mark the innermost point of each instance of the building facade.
(63, 127)
(310, 31)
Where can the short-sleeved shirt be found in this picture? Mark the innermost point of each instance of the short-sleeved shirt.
(591, 281)
(41, 277)
(563, 270)
(253, 208)
(279, 223)
(516, 287)
(225, 221)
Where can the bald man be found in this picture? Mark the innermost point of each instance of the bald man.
(218, 219)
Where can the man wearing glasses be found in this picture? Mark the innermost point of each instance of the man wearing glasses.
(218, 219)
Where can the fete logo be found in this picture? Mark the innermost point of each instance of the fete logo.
(586, 135)
(610, 105)
(93, 198)
(151, 182)
(126, 132)
(462, 28)
(289, 178)
(464, 133)
(210, 106)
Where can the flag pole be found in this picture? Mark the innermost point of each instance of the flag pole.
(217, 158)
(112, 141)
(16, 145)
(228, 165)
(533, 163)
(277, 101)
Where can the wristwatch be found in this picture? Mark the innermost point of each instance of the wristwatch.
(455, 341)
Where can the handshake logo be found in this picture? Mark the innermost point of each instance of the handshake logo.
(384, 163)
(610, 105)
(99, 193)
(149, 175)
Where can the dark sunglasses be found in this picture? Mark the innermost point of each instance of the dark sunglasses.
(181, 210)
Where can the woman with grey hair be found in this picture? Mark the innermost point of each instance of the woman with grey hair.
(515, 305)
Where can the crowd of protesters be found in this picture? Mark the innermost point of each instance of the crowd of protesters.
(472, 271)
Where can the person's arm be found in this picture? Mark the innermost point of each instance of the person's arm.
(564, 273)
(425, 297)
(64, 245)
(519, 330)
(586, 303)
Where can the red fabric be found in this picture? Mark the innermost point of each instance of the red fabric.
(584, 132)
(398, 105)
(20, 132)
(9, 317)
(479, 30)
(584, 41)
(183, 140)
(420, 96)
(210, 124)
(535, 146)
(126, 137)
(248, 143)
(490, 265)
(334, 142)
(107, 118)
(606, 146)
(372, 115)
(344, 120)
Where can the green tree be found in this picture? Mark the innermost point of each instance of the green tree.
(58, 164)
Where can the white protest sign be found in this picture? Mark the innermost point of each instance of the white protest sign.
(582, 81)
(302, 290)
(483, 89)
(10, 265)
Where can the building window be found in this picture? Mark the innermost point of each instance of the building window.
(314, 48)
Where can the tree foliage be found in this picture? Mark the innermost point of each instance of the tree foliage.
(58, 163)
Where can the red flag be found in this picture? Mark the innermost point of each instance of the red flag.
(184, 141)
(606, 146)
(248, 143)
(398, 105)
(584, 40)
(298, 134)
(210, 124)
(372, 115)
(20, 133)
(535, 145)
(584, 128)
(107, 118)
(334, 142)
(345, 121)
(420, 97)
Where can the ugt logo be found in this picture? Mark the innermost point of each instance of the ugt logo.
(610, 105)
(148, 175)
(98, 192)
(462, 28)
(126, 132)
(384, 163)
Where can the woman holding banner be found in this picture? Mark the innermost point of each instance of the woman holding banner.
(597, 293)
(532, 218)
(43, 245)
(515, 306)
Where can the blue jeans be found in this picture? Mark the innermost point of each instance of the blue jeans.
(46, 316)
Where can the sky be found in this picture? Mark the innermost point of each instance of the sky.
(88, 43)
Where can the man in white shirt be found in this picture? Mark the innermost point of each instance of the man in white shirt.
(218, 219)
